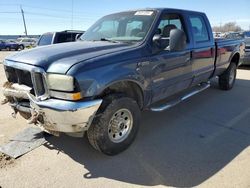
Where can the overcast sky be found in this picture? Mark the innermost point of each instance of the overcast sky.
(47, 15)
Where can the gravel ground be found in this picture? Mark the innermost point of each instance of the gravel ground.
(202, 142)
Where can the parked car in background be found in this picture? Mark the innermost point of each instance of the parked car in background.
(6, 45)
(26, 42)
(234, 35)
(59, 37)
(218, 35)
(246, 60)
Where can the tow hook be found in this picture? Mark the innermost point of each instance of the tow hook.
(33, 119)
(13, 114)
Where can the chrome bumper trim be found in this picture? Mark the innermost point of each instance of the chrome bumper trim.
(65, 116)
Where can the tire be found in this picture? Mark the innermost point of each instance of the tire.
(227, 79)
(113, 138)
(21, 47)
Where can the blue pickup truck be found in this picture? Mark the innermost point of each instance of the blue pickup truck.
(125, 63)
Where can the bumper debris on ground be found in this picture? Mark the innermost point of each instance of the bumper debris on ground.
(23, 142)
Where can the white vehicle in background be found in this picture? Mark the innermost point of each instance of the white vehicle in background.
(26, 42)
(218, 35)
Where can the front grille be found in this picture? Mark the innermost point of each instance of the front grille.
(33, 80)
(38, 84)
(18, 76)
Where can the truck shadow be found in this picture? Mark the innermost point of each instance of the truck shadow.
(244, 67)
(181, 147)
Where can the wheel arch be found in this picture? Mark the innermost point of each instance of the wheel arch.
(235, 58)
(130, 88)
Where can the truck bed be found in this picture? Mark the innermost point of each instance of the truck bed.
(225, 50)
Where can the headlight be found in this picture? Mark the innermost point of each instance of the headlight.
(60, 82)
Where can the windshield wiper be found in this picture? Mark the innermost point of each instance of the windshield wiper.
(108, 40)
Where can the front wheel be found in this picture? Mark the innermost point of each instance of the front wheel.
(115, 126)
(227, 79)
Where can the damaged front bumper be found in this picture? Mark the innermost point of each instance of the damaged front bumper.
(54, 115)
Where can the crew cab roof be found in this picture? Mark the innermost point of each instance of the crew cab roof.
(165, 9)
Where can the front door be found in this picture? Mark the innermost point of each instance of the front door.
(171, 71)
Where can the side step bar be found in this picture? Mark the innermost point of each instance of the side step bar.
(170, 104)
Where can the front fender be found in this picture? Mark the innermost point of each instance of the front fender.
(93, 82)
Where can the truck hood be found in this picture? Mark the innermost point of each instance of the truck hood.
(60, 58)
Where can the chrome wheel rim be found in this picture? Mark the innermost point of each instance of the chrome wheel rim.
(120, 125)
(231, 76)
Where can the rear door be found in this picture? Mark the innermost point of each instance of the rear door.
(203, 52)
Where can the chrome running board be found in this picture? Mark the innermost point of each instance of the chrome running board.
(172, 103)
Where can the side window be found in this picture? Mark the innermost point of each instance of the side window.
(45, 39)
(199, 29)
(65, 37)
(169, 22)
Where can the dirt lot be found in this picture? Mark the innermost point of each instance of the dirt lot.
(202, 142)
(3, 54)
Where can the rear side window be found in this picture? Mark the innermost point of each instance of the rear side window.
(45, 39)
(199, 29)
(65, 37)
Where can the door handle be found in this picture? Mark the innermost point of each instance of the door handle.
(142, 64)
(187, 60)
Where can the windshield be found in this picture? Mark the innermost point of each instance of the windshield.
(127, 26)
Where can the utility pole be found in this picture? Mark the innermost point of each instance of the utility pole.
(24, 21)
(72, 13)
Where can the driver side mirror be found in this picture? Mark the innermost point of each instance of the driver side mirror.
(177, 41)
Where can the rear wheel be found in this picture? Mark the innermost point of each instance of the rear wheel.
(115, 125)
(21, 47)
(227, 79)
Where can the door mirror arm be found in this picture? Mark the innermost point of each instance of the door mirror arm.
(159, 43)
